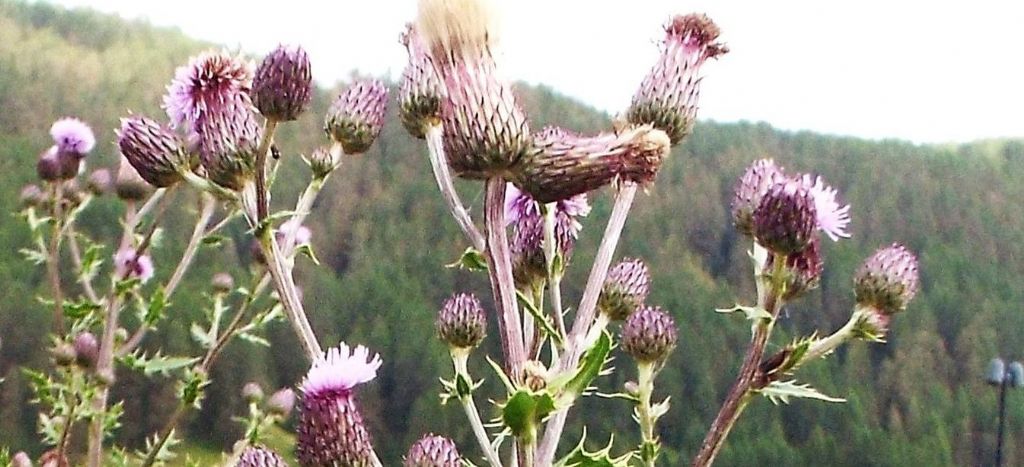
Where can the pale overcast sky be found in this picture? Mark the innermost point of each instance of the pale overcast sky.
(928, 71)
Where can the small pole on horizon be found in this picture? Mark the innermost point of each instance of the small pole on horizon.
(999, 375)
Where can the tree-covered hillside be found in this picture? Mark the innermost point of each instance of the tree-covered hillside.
(382, 234)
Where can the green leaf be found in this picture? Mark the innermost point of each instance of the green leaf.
(307, 250)
(80, 310)
(200, 336)
(784, 390)
(156, 364)
(35, 257)
(156, 307)
(471, 260)
(525, 410)
(579, 457)
(539, 317)
(590, 367)
(511, 388)
(752, 313)
(214, 240)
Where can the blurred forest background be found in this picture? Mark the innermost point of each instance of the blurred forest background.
(383, 236)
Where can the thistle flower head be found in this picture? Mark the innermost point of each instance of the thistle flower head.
(649, 334)
(433, 451)
(129, 265)
(260, 456)
(21, 459)
(803, 270)
(100, 182)
(330, 429)
(32, 196)
(87, 349)
(48, 167)
(786, 218)
(562, 165)
(887, 280)
(461, 322)
(322, 162)
(832, 218)
(252, 392)
(282, 86)
(625, 289)
(485, 130)
(153, 150)
(72, 136)
(129, 185)
(212, 84)
(667, 98)
(752, 186)
(529, 263)
(222, 282)
(281, 402)
(357, 115)
(419, 94)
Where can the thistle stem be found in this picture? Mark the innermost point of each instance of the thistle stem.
(262, 191)
(53, 257)
(554, 277)
(76, 257)
(740, 392)
(289, 295)
(459, 360)
(649, 442)
(439, 163)
(502, 284)
(586, 314)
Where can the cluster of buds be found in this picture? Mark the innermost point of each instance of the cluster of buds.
(83, 351)
(433, 451)
(525, 215)
(461, 322)
(625, 289)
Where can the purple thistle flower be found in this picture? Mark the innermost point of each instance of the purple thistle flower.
(649, 334)
(433, 451)
(461, 322)
(832, 218)
(357, 115)
(752, 186)
(21, 459)
(887, 280)
(153, 150)
(625, 289)
(529, 265)
(260, 456)
(786, 220)
(667, 98)
(485, 130)
(72, 136)
(563, 165)
(127, 265)
(330, 429)
(419, 94)
(283, 83)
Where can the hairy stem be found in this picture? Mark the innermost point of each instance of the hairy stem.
(502, 284)
(575, 343)
(262, 202)
(740, 392)
(439, 163)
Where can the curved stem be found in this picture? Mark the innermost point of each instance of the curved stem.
(502, 285)
(575, 343)
(262, 203)
(439, 163)
(740, 392)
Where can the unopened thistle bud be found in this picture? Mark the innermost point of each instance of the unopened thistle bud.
(282, 87)
(786, 219)
(209, 99)
(73, 140)
(461, 322)
(755, 182)
(419, 94)
(252, 392)
(357, 116)
(64, 354)
(87, 349)
(803, 270)
(485, 130)
(259, 456)
(322, 162)
(48, 166)
(563, 165)
(649, 335)
(100, 182)
(887, 280)
(129, 185)
(281, 402)
(32, 196)
(222, 283)
(330, 429)
(153, 150)
(433, 451)
(667, 98)
(625, 289)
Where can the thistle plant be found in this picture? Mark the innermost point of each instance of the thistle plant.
(213, 148)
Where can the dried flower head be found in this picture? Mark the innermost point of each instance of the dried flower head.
(752, 186)
(433, 451)
(625, 289)
(357, 115)
(153, 150)
(419, 94)
(282, 87)
(887, 280)
(330, 429)
(72, 136)
(260, 456)
(562, 165)
(129, 265)
(786, 219)
(649, 334)
(485, 130)
(667, 98)
(461, 322)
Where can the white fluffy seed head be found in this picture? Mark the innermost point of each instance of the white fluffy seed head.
(455, 29)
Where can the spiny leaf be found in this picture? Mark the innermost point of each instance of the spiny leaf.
(524, 411)
(471, 260)
(752, 313)
(782, 391)
(538, 317)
